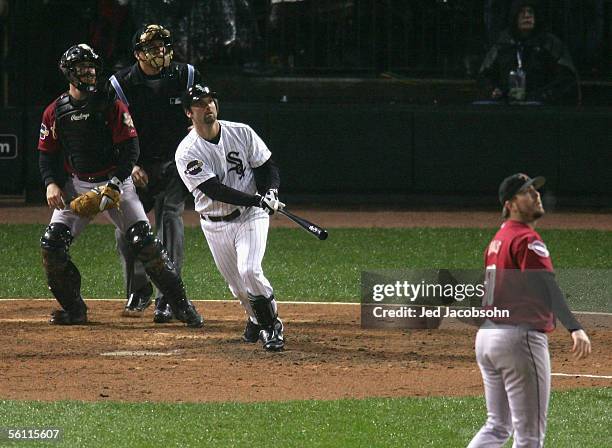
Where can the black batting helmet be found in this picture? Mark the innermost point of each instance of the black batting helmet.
(81, 53)
(197, 92)
(142, 39)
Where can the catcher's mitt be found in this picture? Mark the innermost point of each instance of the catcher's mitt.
(97, 199)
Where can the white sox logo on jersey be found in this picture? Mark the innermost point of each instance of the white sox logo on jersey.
(194, 167)
(232, 157)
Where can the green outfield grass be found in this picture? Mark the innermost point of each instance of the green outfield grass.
(577, 418)
(302, 268)
(299, 266)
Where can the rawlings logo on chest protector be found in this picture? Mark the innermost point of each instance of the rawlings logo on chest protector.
(79, 117)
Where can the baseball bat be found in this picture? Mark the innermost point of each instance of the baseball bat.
(316, 230)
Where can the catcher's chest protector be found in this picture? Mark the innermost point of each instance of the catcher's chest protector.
(84, 133)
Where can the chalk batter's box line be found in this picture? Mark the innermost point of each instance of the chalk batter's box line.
(584, 375)
(594, 313)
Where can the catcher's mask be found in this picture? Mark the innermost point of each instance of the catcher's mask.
(81, 66)
(155, 42)
(196, 93)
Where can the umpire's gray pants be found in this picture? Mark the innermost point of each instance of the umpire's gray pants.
(168, 209)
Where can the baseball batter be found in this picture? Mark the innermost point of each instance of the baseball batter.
(98, 145)
(224, 165)
(513, 353)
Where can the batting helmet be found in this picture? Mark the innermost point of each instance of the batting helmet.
(74, 60)
(197, 92)
(143, 41)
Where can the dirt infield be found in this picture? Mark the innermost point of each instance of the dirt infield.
(362, 218)
(328, 355)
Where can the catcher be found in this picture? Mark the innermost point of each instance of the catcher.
(97, 143)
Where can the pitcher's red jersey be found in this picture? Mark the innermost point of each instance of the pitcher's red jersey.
(512, 260)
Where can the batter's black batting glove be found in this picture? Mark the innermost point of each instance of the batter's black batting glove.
(270, 203)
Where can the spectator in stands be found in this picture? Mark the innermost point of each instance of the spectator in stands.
(582, 22)
(495, 18)
(528, 63)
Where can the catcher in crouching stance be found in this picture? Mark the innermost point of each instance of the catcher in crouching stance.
(97, 141)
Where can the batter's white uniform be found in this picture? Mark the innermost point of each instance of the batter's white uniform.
(237, 245)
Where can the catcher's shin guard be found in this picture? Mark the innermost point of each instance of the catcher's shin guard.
(63, 277)
(271, 334)
(163, 312)
(161, 271)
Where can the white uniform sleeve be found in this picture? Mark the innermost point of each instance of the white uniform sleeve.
(193, 169)
(258, 152)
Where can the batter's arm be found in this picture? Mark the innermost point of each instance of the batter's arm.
(267, 176)
(222, 193)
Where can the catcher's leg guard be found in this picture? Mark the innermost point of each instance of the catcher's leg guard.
(139, 289)
(160, 268)
(63, 277)
(271, 333)
(163, 312)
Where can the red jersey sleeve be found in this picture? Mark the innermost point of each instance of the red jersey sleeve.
(47, 140)
(532, 253)
(120, 122)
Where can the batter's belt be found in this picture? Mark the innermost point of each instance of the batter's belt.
(227, 218)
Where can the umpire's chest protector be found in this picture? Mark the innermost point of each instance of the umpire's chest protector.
(84, 133)
(154, 104)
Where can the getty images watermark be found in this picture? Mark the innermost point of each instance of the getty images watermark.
(422, 298)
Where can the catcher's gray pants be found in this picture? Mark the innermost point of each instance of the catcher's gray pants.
(515, 367)
(168, 208)
(130, 209)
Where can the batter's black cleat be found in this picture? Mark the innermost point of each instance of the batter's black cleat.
(251, 332)
(163, 312)
(273, 338)
(189, 315)
(138, 301)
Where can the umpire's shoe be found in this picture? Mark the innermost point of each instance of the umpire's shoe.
(188, 314)
(273, 338)
(251, 332)
(77, 315)
(163, 312)
(138, 301)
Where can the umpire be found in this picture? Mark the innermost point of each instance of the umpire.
(151, 88)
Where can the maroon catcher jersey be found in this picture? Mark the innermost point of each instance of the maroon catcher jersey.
(512, 259)
(93, 156)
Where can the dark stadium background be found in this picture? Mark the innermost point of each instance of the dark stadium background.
(362, 101)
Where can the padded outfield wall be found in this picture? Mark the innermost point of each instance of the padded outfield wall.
(339, 152)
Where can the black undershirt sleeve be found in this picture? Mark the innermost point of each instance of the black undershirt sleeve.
(558, 303)
(47, 164)
(129, 151)
(222, 193)
(267, 176)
